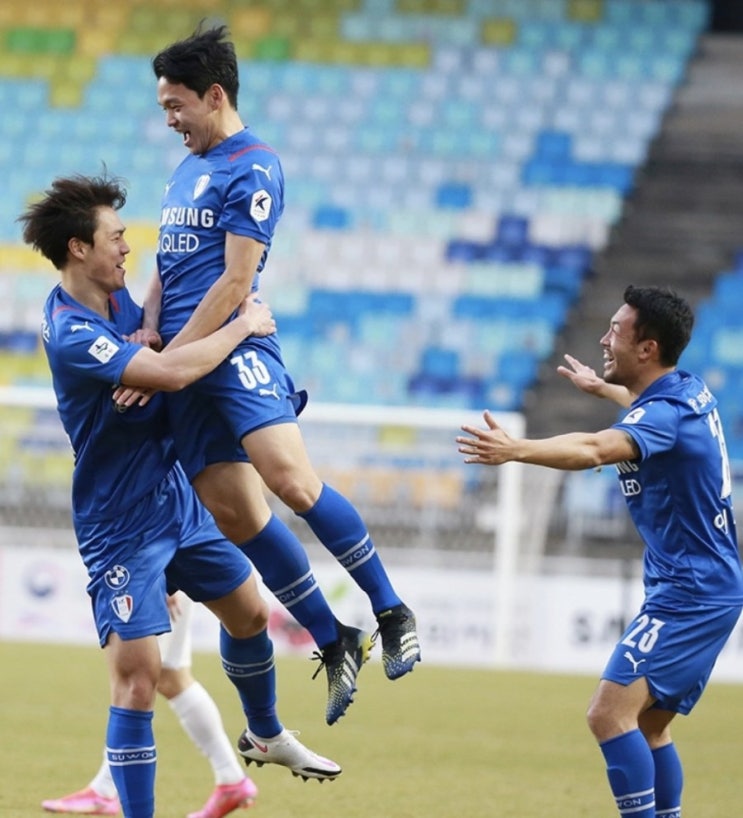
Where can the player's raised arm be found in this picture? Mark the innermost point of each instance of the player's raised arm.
(583, 377)
(492, 446)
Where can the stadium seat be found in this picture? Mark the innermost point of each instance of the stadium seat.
(403, 121)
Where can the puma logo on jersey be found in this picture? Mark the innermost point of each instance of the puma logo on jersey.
(267, 170)
(78, 327)
(635, 662)
(272, 392)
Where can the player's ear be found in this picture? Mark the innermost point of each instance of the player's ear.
(216, 96)
(649, 349)
(76, 248)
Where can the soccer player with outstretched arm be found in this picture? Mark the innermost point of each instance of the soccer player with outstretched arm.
(673, 470)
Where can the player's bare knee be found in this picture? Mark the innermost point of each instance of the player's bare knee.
(296, 493)
(248, 620)
(134, 692)
(598, 719)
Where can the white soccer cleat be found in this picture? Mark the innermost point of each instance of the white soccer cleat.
(286, 751)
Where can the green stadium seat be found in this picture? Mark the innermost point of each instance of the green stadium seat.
(30, 40)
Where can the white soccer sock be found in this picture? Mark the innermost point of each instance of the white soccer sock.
(200, 718)
(103, 784)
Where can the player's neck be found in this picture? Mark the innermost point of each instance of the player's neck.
(648, 379)
(227, 125)
(95, 300)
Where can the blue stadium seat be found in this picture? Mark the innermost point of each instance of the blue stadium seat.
(454, 196)
(330, 217)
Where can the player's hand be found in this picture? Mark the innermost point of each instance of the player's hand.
(585, 379)
(258, 316)
(491, 446)
(147, 337)
(582, 376)
(126, 396)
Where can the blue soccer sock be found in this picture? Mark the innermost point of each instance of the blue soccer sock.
(338, 526)
(249, 665)
(285, 569)
(131, 754)
(669, 782)
(631, 772)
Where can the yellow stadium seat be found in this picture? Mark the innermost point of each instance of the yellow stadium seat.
(448, 7)
(142, 239)
(323, 26)
(63, 93)
(97, 42)
(18, 258)
(144, 43)
(286, 25)
(105, 18)
(585, 11)
(499, 31)
(413, 55)
(250, 23)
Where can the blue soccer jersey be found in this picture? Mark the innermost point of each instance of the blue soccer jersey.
(679, 494)
(119, 456)
(236, 187)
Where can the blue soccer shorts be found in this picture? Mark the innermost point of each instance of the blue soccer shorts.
(166, 541)
(248, 391)
(675, 650)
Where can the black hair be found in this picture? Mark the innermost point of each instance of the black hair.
(662, 316)
(67, 210)
(204, 59)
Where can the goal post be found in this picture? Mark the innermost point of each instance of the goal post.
(424, 449)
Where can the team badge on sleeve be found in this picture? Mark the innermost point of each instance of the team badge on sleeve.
(634, 416)
(260, 205)
(103, 349)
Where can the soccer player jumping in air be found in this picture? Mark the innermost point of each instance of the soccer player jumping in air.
(237, 428)
(669, 450)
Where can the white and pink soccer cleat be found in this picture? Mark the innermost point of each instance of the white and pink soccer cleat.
(84, 802)
(226, 798)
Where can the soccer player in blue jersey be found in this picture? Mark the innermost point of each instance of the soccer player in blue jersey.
(139, 525)
(198, 715)
(669, 451)
(239, 424)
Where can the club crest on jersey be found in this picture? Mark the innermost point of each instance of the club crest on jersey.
(117, 577)
(260, 205)
(103, 349)
(201, 185)
(123, 606)
(634, 416)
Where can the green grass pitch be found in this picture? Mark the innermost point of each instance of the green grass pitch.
(440, 743)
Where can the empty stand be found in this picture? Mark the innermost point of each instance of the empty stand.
(453, 166)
